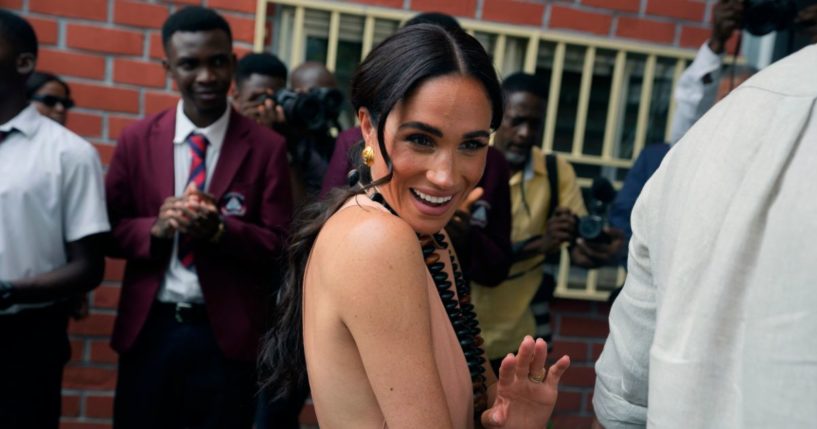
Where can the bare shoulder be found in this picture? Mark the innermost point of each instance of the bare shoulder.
(368, 232)
(363, 249)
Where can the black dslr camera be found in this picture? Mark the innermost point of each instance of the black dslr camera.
(761, 17)
(591, 227)
(315, 110)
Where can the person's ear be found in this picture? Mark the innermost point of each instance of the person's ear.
(166, 64)
(367, 127)
(26, 63)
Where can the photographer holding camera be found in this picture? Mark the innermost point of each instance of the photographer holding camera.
(304, 113)
(258, 78)
(545, 203)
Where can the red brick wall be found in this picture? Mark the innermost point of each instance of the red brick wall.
(108, 51)
(680, 23)
(579, 330)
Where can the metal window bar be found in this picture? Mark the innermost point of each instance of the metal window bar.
(332, 46)
(584, 100)
(572, 283)
(553, 96)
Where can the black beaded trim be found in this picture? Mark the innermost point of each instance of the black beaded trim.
(461, 314)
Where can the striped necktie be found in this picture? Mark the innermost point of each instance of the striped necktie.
(198, 156)
(198, 175)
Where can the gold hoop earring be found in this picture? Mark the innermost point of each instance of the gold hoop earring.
(368, 156)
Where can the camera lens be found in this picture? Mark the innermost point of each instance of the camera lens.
(308, 108)
(761, 17)
(591, 227)
(332, 101)
(300, 109)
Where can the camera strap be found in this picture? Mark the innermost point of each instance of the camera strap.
(553, 179)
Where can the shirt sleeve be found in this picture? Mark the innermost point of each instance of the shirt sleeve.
(622, 371)
(570, 194)
(696, 91)
(83, 204)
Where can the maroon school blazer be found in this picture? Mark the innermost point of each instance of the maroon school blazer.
(237, 275)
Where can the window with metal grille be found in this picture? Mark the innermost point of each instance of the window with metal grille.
(607, 97)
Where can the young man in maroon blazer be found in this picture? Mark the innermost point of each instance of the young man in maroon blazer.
(199, 200)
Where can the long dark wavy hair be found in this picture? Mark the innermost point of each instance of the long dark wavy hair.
(389, 74)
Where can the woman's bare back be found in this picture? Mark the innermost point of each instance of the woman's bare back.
(375, 353)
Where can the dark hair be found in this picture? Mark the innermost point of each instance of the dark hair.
(259, 63)
(445, 21)
(38, 79)
(18, 33)
(523, 82)
(192, 19)
(390, 73)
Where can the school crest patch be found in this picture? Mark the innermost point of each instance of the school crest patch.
(233, 204)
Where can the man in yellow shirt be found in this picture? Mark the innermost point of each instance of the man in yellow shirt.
(542, 220)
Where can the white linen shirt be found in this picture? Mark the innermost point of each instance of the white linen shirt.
(693, 96)
(51, 193)
(181, 284)
(716, 326)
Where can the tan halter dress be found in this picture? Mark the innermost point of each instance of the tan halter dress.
(451, 362)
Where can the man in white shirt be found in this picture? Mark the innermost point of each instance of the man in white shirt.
(52, 219)
(716, 325)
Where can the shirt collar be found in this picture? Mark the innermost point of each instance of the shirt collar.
(535, 166)
(537, 161)
(215, 132)
(26, 122)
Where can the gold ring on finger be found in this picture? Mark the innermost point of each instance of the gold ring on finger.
(536, 378)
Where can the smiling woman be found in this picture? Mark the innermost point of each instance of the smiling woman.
(438, 139)
(375, 307)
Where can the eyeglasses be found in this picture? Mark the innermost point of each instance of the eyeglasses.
(52, 100)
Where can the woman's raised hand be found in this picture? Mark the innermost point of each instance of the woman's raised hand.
(526, 391)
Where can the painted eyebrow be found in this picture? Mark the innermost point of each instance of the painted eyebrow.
(476, 134)
(422, 127)
(436, 132)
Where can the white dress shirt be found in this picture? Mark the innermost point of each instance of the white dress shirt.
(716, 326)
(695, 92)
(51, 193)
(181, 284)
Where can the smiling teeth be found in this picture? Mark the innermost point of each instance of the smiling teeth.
(431, 199)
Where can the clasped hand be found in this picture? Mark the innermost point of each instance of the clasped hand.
(194, 214)
(527, 390)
